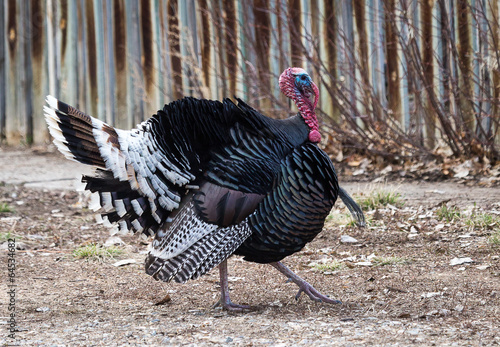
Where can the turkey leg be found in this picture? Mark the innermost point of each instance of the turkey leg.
(303, 285)
(225, 301)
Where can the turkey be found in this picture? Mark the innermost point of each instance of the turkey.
(208, 179)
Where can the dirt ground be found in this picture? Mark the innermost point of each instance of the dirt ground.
(397, 283)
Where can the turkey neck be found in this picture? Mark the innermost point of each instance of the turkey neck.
(307, 112)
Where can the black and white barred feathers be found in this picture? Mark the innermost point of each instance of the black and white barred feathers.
(207, 179)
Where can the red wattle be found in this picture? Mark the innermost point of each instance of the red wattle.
(314, 136)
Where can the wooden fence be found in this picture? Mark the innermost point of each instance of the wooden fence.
(415, 66)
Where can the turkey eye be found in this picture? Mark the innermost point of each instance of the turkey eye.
(303, 77)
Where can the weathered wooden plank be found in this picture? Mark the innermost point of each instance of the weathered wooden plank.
(295, 27)
(12, 120)
(330, 56)
(241, 84)
(349, 66)
(186, 48)
(262, 50)
(109, 71)
(306, 38)
(362, 49)
(192, 43)
(147, 55)
(445, 55)
(68, 53)
(391, 46)
(284, 37)
(230, 45)
(428, 71)
(53, 53)
(495, 38)
(205, 40)
(83, 100)
(274, 48)
(155, 97)
(484, 126)
(175, 49)
(465, 65)
(91, 59)
(376, 52)
(38, 63)
(3, 72)
(249, 69)
(135, 81)
(166, 76)
(403, 26)
(100, 52)
(25, 105)
(120, 59)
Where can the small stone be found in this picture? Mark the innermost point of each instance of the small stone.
(364, 263)
(113, 241)
(125, 262)
(460, 261)
(431, 294)
(42, 309)
(459, 308)
(163, 301)
(347, 239)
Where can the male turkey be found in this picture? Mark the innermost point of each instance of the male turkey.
(209, 179)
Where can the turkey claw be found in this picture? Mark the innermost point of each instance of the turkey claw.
(314, 295)
(231, 307)
(304, 287)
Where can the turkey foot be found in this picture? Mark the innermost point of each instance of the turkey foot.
(225, 301)
(303, 285)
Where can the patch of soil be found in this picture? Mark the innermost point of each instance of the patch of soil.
(416, 298)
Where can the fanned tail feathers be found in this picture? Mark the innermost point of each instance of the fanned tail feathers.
(72, 131)
(120, 204)
(116, 185)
